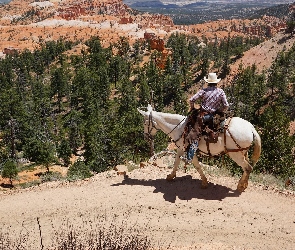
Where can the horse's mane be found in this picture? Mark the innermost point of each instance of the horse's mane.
(171, 118)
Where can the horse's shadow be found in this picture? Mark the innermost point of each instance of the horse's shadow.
(185, 188)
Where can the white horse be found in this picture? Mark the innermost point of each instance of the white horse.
(237, 137)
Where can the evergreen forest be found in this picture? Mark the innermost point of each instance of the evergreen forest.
(55, 104)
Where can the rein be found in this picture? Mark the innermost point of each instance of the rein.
(175, 128)
(150, 128)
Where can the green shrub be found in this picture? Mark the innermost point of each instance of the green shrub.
(79, 170)
(51, 176)
(9, 170)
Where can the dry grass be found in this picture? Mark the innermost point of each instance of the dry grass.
(92, 235)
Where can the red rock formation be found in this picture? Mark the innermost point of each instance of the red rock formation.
(125, 20)
(161, 62)
(72, 12)
(148, 35)
(157, 44)
(266, 27)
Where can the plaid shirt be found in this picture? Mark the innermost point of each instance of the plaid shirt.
(212, 99)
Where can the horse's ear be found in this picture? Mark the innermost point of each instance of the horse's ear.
(142, 112)
(149, 108)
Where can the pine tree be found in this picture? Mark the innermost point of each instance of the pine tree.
(98, 154)
(277, 156)
(180, 104)
(64, 152)
(154, 80)
(291, 21)
(127, 129)
(116, 69)
(204, 63)
(248, 93)
(9, 170)
(73, 125)
(277, 82)
(144, 90)
(59, 85)
(40, 151)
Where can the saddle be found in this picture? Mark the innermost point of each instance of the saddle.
(198, 126)
(212, 128)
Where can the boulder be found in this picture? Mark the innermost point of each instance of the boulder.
(121, 169)
(143, 164)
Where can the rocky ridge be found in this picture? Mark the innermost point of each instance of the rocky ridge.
(25, 23)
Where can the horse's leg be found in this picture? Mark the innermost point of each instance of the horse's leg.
(241, 160)
(185, 167)
(197, 166)
(171, 176)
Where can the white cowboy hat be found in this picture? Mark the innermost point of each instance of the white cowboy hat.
(212, 78)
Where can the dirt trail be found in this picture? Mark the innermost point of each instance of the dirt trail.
(174, 215)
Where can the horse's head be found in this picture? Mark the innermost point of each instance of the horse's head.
(150, 125)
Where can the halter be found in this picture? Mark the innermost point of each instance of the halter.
(150, 128)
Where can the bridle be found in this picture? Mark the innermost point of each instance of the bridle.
(151, 126)
(149, 135)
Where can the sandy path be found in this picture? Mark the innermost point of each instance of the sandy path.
(174, 215)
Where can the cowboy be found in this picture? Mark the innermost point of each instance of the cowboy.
(213, 100)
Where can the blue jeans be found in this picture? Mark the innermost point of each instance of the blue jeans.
(192, 150)
(208, 118)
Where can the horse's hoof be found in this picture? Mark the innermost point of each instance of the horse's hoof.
(170, 177)
(242, 187)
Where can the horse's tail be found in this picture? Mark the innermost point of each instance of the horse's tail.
(257, 146)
